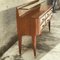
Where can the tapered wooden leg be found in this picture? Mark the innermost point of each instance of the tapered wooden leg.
(20, 43)
(49, 25)
(34, 44)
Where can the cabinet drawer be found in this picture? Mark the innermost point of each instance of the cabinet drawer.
(42, 25)
(49, 12)
(42, 19)
(50, 16)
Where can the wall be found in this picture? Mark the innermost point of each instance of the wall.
(7, 4)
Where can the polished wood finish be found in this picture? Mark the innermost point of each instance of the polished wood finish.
(31, 22)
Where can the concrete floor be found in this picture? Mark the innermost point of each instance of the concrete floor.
(47, 44)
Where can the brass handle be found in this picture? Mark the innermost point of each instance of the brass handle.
(43, 19)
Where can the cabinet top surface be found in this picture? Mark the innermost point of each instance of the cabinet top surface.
(43, 10)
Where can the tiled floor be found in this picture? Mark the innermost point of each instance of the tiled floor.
(47, 45)
(54, 54)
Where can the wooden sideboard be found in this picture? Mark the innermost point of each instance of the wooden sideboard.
(31, 21)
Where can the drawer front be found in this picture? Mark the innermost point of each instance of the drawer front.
(48, 13)
(42, 19)
(42, 25)
(50, 16)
